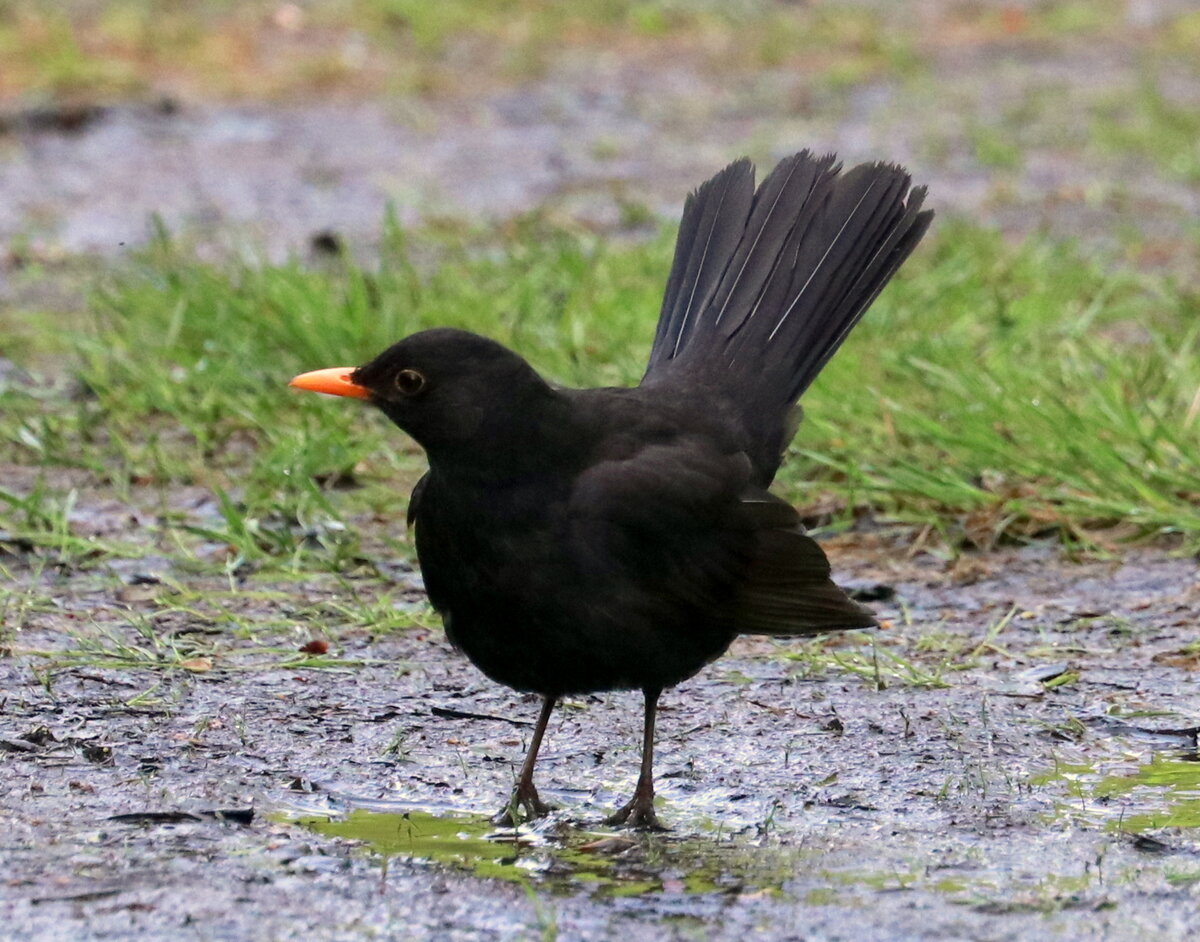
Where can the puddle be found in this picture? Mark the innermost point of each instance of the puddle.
(559, 856)
(670, 871)
(1130, 792)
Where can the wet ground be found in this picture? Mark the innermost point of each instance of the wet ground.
(1014, 754)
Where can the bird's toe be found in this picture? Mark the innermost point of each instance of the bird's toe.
(523, 806)
(638, 816)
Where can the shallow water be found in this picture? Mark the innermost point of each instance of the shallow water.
(560, 856)
(1132, 792)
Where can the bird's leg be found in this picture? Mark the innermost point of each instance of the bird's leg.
(639, 811)
(525, 796)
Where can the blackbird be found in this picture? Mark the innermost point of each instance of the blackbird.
(582, 540)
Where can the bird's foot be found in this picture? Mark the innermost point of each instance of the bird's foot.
(524, 798)
(637, 813)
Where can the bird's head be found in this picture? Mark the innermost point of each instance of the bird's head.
(451, 390)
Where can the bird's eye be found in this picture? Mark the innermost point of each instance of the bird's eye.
(410, 382)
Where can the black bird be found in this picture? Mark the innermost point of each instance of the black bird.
(580, 540)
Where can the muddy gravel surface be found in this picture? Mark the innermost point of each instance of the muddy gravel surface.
(189, 755)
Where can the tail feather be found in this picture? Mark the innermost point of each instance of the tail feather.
(905, 232)
(852, 269)
(764, 290)
(714, 219)
(777, 206)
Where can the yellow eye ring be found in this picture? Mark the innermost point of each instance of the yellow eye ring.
(410, 382)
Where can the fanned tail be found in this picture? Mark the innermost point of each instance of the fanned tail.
(767, 284)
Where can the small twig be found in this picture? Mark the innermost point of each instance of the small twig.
(234, 815)
(451, 714)
(84, 896)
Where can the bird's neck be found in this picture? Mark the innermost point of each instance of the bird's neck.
(513, 441)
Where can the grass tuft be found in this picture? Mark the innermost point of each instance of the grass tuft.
(995, 391)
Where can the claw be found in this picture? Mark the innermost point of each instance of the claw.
(638, 814)
(525, 800)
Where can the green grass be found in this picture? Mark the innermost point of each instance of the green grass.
(117, 48)
(1151, 126)
(994, 391)
(195, 625)
(105, 49)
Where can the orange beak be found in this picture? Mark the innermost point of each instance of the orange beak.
(334, 382)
